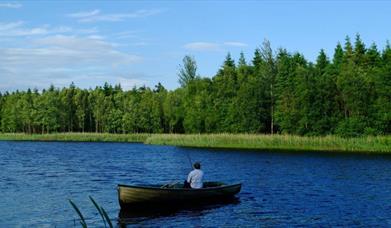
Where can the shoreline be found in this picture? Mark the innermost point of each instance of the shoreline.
(285, 143)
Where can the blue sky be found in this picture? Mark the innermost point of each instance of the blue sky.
(143, 42)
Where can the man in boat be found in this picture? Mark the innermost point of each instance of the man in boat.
(194, 179)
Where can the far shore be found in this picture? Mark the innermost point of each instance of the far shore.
(369, 144)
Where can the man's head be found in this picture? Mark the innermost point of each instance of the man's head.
(197, 165)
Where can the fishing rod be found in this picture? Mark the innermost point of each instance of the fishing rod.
(189, 159)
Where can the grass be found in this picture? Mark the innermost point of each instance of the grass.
(372, 144)
(76, 137)
(378, 144)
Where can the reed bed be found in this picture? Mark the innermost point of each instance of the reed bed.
(76, 137)
(372, 144)
(375, 144)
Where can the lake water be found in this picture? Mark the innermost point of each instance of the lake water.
(38, 178)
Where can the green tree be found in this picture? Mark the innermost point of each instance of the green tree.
(1, 107)
(83, 110)
(225, 88)
(382, 104)
(69, 107)
(268, 80)
(10, 120)
(49, 113)
(173, 109)
(27, 111)
(196, 102)
(187, 71)
(97, 101)
(354, 84)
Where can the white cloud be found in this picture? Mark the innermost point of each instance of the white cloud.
(139, 44)
(19, 28)
(58, 55)
(202, 46)
(208, 46)
(10, 5)
(87, 31)
(125, 34)
(96, 15)
(16, 29)
(11, 25)
(235, 44)
(60, 59)
(86, 49)
(84, 14)
(96, 37)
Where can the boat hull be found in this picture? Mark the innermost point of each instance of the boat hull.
(137, 196)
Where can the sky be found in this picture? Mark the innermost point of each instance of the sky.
(136, 43)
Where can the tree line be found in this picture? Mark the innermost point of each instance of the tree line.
(276, 92)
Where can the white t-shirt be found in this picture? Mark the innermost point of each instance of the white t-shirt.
(195, 178)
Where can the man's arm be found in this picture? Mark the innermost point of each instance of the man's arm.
(189, 177)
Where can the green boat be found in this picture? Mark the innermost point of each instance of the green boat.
(174, 194)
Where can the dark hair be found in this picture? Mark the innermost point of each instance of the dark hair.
(197, 165)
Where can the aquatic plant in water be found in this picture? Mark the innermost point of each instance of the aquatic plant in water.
(105, 218)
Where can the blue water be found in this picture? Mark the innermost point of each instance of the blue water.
(279, 189)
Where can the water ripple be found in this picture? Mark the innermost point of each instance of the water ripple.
(37, 179)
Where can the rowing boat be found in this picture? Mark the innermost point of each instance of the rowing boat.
(173, 194)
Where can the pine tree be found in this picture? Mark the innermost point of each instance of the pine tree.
(359, 51)
(225, 88)
(338, 55)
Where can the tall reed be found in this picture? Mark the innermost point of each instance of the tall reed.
(379, 144)
(370, 144)
(75, 137)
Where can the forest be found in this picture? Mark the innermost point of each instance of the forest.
(276, 92)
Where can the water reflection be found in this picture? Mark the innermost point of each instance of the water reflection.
(134, 216)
